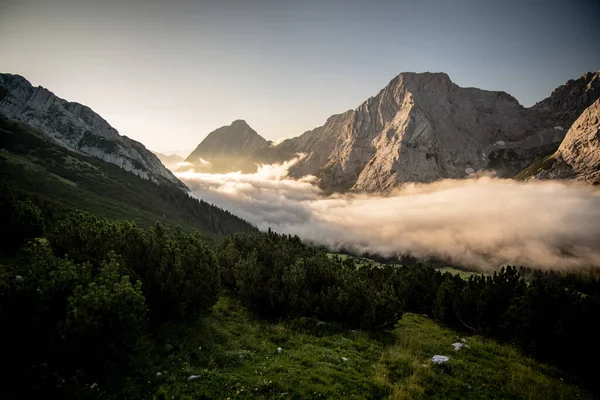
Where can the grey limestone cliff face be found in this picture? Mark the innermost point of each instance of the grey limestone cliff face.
(422, 127)
(77, 126)
(568, 101)
(578, 157)
(419, 128)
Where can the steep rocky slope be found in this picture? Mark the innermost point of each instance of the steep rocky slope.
(578, 157)
(419, 128)
(568, 101)
(229, 148)
(77, 127)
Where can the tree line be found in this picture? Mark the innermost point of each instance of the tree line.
(80, 293)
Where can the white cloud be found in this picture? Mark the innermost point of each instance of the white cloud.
(482, 222)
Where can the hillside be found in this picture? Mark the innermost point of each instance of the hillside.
(47, 170)
(234, 354)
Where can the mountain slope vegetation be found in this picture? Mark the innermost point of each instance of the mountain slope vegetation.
(50, 171)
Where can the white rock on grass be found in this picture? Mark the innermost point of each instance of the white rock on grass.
(193, 377)
(344, 359)
(437, 359)
(458, 346)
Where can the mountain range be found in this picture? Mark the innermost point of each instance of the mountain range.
(421, 127)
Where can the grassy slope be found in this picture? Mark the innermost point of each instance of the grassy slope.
(234, 353)
(536, 167)
(47, 170)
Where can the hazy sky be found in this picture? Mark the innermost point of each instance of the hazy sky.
(168, 72)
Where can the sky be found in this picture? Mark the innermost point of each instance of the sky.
(167, 73)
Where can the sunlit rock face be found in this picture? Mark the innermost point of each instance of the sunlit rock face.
(228, 149)
(77, 126)
(420, 128)
(578, 157)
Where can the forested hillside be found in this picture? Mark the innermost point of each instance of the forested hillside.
(50, 171)
(99, 308)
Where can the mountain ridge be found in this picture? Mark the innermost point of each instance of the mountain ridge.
(41, 167)
(78, 127)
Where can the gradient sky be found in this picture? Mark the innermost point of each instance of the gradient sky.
(166, 73)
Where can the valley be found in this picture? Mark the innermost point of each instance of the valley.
(251, 270)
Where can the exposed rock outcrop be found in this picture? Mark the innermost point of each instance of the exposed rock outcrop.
(578, 157)
(78, 127)
(568, 101)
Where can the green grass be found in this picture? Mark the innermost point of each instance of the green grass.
(234, 353)
(536, 167)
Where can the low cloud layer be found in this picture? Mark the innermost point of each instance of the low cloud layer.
(481, 222)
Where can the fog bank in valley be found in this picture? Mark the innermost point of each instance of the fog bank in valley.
(482, 222)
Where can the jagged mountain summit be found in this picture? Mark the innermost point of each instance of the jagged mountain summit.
(77, 127)
(227, 149)
(419, 128)
(571, 99)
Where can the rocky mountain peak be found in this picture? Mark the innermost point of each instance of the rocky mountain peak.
(228, 148)
(568, 101)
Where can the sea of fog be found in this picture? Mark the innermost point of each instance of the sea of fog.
(483, 222)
